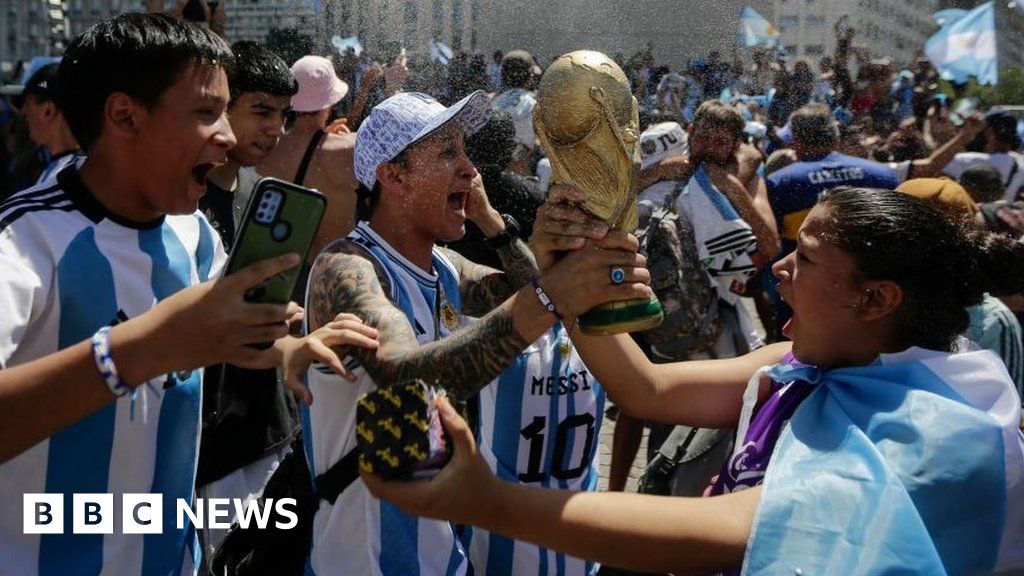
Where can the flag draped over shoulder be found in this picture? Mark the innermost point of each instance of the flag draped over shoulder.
(912, 463)
(755, 30)
(965, 46)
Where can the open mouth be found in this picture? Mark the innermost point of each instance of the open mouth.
(457, 201)
(201, 171)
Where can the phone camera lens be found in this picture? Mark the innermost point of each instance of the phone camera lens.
(281, 231)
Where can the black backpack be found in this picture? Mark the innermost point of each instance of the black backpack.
(273, 551)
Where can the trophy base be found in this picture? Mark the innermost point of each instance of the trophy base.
(621, 317)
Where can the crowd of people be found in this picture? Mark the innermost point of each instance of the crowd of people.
(866, 417)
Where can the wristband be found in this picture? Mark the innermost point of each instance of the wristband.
(545, 300)
(105, 363)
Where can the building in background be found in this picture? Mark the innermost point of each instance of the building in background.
(896, 30)
(33, 28)
(253, 20)
(84, 13)
(461, 24)
(676, 30)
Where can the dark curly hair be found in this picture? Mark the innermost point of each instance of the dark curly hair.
(942, 266)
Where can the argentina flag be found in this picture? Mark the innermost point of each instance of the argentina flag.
(756, 30)
(966, 46)
(912, 464)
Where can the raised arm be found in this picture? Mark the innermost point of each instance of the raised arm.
(932, 166)
(748, 161)
(670, 169)
(706, 393)
(345, 280)
(482, 288)
(700, 393)
(763, 226)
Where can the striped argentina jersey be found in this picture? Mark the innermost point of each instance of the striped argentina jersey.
(58, 163)
(67, 268)
(359, 535)
(540, 424)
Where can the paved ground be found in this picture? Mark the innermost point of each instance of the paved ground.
(608, 430)
(605, 455)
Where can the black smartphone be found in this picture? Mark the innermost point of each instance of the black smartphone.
(280, 218)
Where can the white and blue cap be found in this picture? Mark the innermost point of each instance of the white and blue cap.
(404, 119)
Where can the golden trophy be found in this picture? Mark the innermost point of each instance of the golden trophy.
(587, 120)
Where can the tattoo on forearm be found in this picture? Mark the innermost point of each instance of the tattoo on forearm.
(462, 363)
(483, 288)
(520, 265)
(344, 280)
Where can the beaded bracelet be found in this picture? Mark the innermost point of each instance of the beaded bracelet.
(105, 362)
(545, 300)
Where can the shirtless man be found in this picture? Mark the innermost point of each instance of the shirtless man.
(312, 157)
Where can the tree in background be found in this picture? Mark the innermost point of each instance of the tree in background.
(1008, 92)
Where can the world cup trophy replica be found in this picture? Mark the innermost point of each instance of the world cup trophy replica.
(587, 119)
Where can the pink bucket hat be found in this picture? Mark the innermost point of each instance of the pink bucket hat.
(319, 86)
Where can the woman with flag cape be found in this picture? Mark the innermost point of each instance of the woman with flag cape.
(877, 442)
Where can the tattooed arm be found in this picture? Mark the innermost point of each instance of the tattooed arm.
(344, 279)
(482, 287)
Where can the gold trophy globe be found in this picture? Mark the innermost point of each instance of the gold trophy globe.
(587, 120)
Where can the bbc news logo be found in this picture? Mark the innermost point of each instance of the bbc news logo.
(144, 513)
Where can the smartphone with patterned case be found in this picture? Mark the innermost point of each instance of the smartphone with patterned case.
(399, 431)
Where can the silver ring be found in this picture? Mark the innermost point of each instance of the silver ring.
(618, 275)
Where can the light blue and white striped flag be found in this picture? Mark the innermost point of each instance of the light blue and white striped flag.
(948, 16)
(913, 464)
(966, 46)
(756, 30)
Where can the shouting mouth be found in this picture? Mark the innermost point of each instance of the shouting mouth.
(200, 172)
(457, 202)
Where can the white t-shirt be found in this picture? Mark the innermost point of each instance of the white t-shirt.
(1009, 165)
(544, 176)
(519, 103)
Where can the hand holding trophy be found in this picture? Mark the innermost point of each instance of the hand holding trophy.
(587, 119)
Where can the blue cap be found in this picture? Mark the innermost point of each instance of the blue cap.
(404, 119)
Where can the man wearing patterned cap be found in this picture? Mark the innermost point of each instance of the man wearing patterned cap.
(419, 188)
